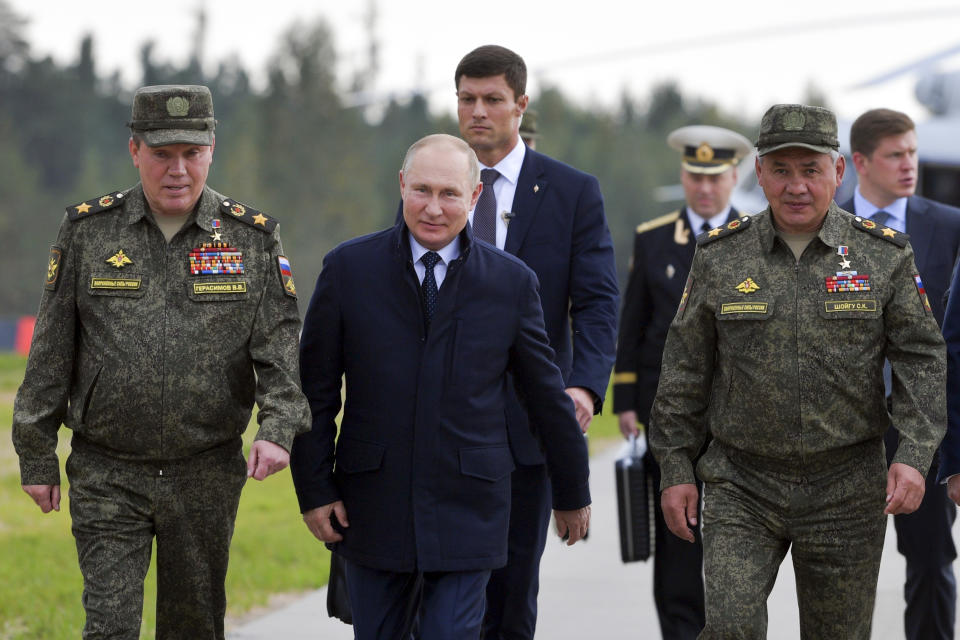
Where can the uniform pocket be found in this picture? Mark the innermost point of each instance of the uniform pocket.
(357, 456)
(487, 463)
(850, 307)
(125, 285)
(218, 289)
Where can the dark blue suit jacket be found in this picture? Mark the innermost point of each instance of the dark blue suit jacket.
(934, 231)
(559, 230)
(423, 462)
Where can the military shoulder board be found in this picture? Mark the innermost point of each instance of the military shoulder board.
(728, 229)
(249, 215)
(881, 231)
(658, 222)
(90, 207)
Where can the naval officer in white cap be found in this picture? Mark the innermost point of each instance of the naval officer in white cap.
(662, 254)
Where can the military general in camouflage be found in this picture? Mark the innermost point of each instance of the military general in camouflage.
(168, 310)
(778, 348)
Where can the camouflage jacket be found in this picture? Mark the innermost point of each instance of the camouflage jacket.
(143, 355)
(784, 359)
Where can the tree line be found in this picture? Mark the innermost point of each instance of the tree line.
(293, 148)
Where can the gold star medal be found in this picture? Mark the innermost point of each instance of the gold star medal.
(216, 229)
(119, 260)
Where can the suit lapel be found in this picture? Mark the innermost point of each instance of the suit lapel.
(921, 229)
(531, 187)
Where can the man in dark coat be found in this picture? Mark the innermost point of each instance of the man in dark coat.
(425, 323)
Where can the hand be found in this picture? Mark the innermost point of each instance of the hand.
(679, 504)
(573, 524)
(266, 458)
(953, 488)
(583, 403)
(628, 424)
(905, 487)
(47, 496)
(318, 521)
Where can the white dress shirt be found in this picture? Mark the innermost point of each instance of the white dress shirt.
(447, 255)
(897, 210)
(696, 221)
(505, 187)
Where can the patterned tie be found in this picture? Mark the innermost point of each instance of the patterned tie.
(429, 287)
(485, 213)
(881, 218)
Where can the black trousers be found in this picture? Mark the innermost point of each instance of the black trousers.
(925, 539)
(677, 573)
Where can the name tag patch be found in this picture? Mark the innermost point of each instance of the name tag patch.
(219, 287)
(743, 307)
(864, 306)
(122, 284)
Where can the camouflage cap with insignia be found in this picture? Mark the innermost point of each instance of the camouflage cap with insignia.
(798, 125)
(528, 125)
(707, 149)
(173, 114)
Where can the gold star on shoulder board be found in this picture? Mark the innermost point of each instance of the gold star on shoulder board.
(260, 219)
(119, 259)
(888, 232)
(713, 233)
(83, 208)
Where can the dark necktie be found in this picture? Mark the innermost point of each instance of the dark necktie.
(429, 287)
(485, 213)
(881, 217)
(706, 228)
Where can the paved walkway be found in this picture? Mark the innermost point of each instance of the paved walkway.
(586, 592)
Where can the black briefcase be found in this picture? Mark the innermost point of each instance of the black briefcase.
(635, 496)
(338, 600)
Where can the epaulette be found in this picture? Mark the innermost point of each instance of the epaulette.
(728, 229)
(874, 229)
(90, 207)
(658, 222)
(243, 213)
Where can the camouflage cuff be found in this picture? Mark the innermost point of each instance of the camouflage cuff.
(277, 434)
(676, 470)
(44, 470)
(907, 454)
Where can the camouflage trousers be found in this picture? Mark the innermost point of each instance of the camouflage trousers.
(118, 507)
(829, 514)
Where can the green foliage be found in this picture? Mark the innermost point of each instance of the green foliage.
(292, 149)
(272, 550)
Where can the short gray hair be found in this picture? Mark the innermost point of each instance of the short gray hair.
(452, 141)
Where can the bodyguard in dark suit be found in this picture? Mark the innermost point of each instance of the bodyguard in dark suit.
(884, 146)
(424, 323)
(551, 217)
(662, 253)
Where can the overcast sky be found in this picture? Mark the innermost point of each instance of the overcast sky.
(743, 54)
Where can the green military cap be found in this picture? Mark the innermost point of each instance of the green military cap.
(707, 149)
(798, 125)
(528, 125)
(173, 114)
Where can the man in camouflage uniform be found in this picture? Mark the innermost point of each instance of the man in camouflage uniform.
(778, 347)
(168, 309)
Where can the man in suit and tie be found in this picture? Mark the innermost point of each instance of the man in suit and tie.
(424, 323)
(884, 147)
(550, 216)
(662, 253)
